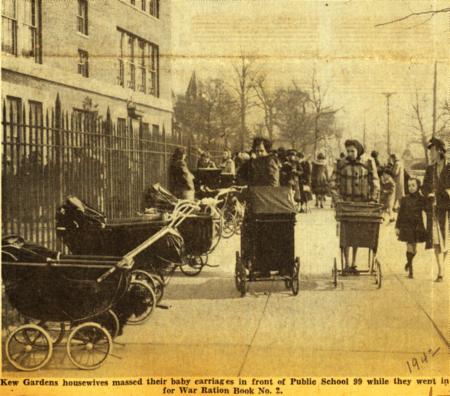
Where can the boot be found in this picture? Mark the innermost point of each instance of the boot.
(410, 257)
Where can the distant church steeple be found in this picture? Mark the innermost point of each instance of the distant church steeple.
(191, 91)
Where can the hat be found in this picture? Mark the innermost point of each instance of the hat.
(438, 143)
(357, 144)
(320, 156)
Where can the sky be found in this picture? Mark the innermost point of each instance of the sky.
(352, 58)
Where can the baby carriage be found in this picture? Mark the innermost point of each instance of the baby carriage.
(267, 240)
(89, 297)
(358, 227)
(85, 231)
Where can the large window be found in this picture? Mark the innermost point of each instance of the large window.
(21, 28)
(82, 17)
(9, 26)
(83, 63)
(138, 64)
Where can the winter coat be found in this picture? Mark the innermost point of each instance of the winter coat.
(263, 171)
(410, 220)
(440, 186)
(180, 178)
(398, 172)
(356, 180)
(319, 177)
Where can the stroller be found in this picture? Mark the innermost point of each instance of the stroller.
(85, 231)
(358, 227)
(267, 240)
(90, 297)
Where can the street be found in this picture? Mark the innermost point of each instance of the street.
(351, 330)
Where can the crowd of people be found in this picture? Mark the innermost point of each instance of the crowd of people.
(356, 177)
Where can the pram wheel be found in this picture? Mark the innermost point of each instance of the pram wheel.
(334, 273)
(147, 300)
(192, 265)
(229, 225)
(378, 276)
(156, 284)
(55, 330)
(29, 347)
(110, 322)
(88, 345)
(295, 281)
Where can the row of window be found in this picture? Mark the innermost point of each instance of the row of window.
(150, 6)
(138, 60)
(138, 64)
(81, 118)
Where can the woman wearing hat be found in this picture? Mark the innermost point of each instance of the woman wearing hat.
(181, 180)
(355, 180)
(436, 188)
(320, 179)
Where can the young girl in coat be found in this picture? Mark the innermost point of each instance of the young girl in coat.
(409, 226)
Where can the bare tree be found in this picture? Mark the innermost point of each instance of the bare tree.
(419, 127)
(320, 110)
(245, 75)
(267, 101)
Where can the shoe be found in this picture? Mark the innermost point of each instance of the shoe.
(406, 267)
(410, 276)
(439, 278)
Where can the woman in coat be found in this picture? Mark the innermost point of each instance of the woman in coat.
(398, 173)
(181, 180)
(320, 179)
(387, 196)
(409, 226)
(305, 183)
(436, 188)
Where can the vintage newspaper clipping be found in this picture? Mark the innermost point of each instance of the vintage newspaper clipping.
(244, 197)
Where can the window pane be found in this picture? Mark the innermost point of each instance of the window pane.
(9, 8)
(8, 35)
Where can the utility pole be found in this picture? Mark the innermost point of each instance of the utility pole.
(434, 98)
(388, 98)
(364, 132)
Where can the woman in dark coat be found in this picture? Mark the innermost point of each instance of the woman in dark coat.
(181, 180)
(409, 226)
(436, 188)
(320, 179)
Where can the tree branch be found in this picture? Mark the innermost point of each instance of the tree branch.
(413, 14)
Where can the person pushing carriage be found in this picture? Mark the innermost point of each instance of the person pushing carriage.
(355, 180)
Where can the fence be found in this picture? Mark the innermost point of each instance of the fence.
(50, 154)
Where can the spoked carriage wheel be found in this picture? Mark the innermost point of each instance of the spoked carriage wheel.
(192, 265)
(145, 301)
(295, 281)
(217, 233)
(229, 225)
(88, 345)
(110, 321)
(56, 330)
(156, 284)
(29, 347)
(378, 275)
(334, 273)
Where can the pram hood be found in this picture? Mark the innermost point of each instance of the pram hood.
(74, 213)
(158, 197)
(270, 200)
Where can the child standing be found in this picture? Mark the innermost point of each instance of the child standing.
(409, 226)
